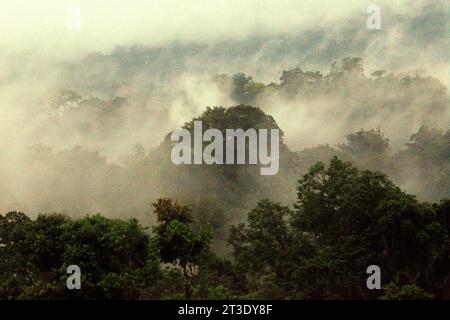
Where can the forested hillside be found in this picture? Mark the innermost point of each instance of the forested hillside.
(275, 149)
(218, 232)
(343, 220)
(120, 159)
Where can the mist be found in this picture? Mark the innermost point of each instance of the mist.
(85, 112)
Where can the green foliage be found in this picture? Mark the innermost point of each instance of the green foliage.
(405, 292)
(168, 211)
(343, 221)
(345, 218)
(212, 188)
(362, 217)
(177, 242)
(244, 89)
(366, 142)
(113, 256)
(343, 94)
(264, 243)
(429, 153)
(240, 116)
(218, 293)
(297, 81)
(268, 287)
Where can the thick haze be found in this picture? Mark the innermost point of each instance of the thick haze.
(42, 26)
(161, 56)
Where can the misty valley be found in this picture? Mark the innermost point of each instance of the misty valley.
(247, 150)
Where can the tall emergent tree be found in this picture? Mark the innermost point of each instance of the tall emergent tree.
(178, 243)
(345, 220)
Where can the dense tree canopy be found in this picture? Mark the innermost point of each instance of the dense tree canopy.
(309, 232)
(343, 221)
(114, 257)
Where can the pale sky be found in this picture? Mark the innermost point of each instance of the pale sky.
(50, 26)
